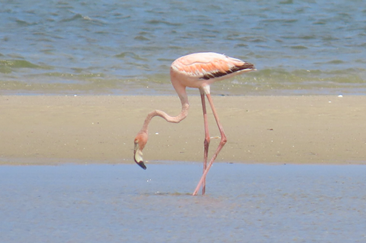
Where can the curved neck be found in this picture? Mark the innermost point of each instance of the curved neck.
(174, 119)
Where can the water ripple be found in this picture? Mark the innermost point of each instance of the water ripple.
(128, 39)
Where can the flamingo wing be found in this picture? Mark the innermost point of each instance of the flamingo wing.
(210, 65)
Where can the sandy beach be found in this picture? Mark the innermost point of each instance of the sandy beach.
(260, 129)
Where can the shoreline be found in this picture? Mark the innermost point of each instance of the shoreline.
(51, 130)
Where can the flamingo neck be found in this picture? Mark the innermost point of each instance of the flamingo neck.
(173, 119)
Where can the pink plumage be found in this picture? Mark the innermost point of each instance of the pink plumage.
(197, 70)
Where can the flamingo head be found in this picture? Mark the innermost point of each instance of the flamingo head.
(140, 142)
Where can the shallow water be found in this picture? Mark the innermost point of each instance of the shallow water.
(126, 47)
(122, 203)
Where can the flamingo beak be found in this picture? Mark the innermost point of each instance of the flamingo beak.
(138, 156)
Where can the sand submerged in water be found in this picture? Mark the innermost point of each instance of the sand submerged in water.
(260, 129)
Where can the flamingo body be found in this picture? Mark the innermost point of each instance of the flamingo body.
(197, 70)
(200, 69)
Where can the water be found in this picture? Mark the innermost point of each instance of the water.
(122, 203)
(126, 47)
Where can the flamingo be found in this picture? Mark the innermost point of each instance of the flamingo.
(197, 70)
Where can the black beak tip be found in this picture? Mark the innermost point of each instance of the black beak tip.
(141, 164)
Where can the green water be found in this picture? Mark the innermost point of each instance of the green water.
(118, 47)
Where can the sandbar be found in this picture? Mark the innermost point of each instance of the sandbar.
(45, 129)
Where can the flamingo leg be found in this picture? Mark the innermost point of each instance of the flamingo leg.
(206, 142)
(221, 145)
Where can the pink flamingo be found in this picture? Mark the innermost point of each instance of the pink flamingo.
(198, 70)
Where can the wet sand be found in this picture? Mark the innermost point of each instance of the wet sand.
(122, 203)
(260, 129)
